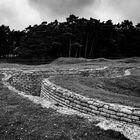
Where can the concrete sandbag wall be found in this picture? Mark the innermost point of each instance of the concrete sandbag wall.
(88, 105)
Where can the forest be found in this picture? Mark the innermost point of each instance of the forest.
(76, 37)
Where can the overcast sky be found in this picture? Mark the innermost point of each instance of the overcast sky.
(18, 14)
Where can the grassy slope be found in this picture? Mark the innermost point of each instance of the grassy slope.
(21, 119)
(124, 90)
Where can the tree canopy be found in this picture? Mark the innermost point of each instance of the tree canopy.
(77, 37)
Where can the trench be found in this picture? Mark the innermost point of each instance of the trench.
(31, 84)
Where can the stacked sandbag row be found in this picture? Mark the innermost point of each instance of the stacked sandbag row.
(105, 72)
(87, 105)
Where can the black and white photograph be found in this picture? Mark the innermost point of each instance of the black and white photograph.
(69, 69)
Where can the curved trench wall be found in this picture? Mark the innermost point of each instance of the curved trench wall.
(87, 105)
(29, 83)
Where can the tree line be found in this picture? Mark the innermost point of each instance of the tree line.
(76, 37)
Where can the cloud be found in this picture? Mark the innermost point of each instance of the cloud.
(119, 10)
(129, 9)
(52, 9)
(18, 14)
(21, 13)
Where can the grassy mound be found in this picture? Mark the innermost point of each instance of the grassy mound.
(63, 61)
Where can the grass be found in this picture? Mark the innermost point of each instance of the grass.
(20, 119)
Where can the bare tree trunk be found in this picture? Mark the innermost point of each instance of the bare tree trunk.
(70, 48)
(86, 46)
(80, 52)
(91, 49)
(76, 53)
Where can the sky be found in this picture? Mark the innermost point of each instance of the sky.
(19, 14)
